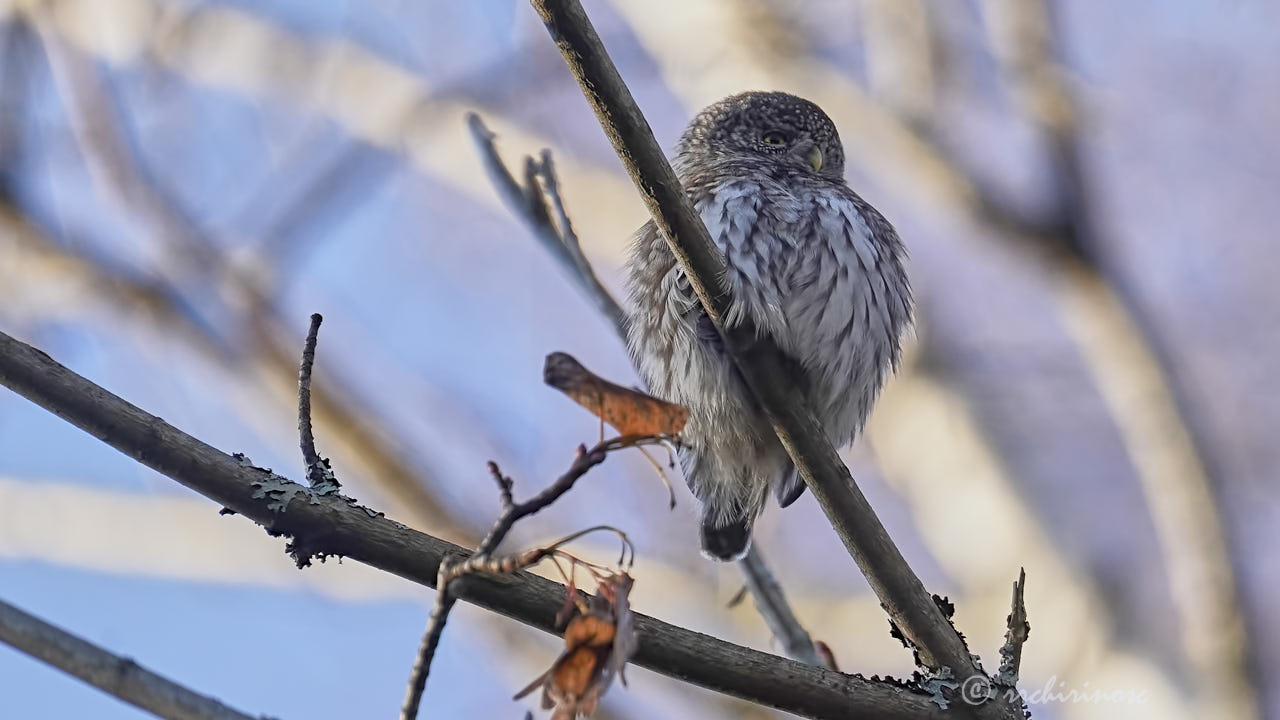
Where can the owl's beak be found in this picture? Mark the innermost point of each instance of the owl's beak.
(814, 156)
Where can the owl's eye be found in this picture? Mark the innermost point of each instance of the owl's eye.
(774, 138)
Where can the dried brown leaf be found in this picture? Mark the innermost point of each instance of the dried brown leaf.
(598, 645)
(629, 411)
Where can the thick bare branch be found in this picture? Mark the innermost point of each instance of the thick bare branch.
(322, 525)
(903, 595)
(117, 676)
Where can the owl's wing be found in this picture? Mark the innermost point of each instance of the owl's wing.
(749, 224)
(790, 487)
(743, 227)
(752, 224)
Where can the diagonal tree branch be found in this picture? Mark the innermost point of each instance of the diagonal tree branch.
(328, 525)
(901, 593)
(117, 676)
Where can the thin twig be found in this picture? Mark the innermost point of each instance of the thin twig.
(1017, 634)
(117, 676)
(318, 471)
(505, 485)
(900, 591)
(334, 525)
(430, 641)
(583, 461)
(662, 475)
(536, 203)
(551, 186)
(507, 564)
(772, 605)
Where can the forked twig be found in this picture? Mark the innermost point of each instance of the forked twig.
(539, 204)
(511, 512)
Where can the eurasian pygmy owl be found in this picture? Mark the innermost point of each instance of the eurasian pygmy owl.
(810, 264)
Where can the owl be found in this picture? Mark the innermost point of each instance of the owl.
(809, 264)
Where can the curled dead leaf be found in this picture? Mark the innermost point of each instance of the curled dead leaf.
(597, 646)
(629, 411)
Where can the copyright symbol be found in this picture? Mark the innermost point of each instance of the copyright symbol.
(976, 689)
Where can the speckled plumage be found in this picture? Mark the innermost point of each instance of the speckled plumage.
(809, 263)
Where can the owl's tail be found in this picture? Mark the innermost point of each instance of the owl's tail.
(729, 538)
(725, 542)
(726, 521)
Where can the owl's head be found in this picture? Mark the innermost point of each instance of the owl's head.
(773, 129)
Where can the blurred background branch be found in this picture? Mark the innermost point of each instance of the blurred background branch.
(117, 676)
(191, 258)
(1173, 455)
